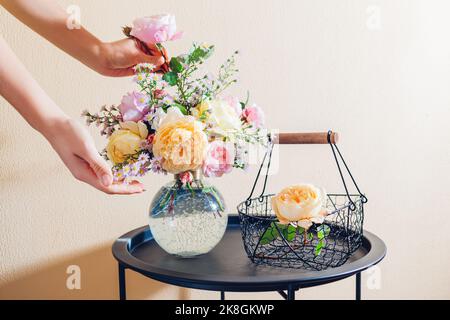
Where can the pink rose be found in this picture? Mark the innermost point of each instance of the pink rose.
(254, 116)
(219, 159)
(156, 29)
(134, 106)
(234, 103)
(186, 177)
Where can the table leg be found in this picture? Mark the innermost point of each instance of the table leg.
(291, 293)
(282, 294)
(222, 295)
(122, 284)
(358, 286)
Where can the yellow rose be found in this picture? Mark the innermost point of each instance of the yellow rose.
(302, 204)
(121, 144)
(138, 128)
(200, 112)
(181, 144)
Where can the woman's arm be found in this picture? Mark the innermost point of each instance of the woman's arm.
(69, 139)
(48, 19)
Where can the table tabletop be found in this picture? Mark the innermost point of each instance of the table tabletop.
(227, 267)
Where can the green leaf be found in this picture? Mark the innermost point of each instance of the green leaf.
(203, 116)
(200, 53)
(327, 230)
(320, 234)
(323, 231)
(288, 231)
(175, 65)
(171, 78)
(209, 52)
(300, 230)
(310, 236)
(269, 235)
(319, 247)
(181, 107)
(196, 55)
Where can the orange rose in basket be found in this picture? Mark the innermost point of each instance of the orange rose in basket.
(303, 204)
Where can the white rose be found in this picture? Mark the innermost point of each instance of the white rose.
(173, 114)
(223, 118)
(161, 118)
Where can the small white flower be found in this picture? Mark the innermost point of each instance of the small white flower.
(167, 100)
(143, 157)
(126, 170)
(135, 167)
(144, 66)
(140, 77)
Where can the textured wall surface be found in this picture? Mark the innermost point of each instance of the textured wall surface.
(313, 65)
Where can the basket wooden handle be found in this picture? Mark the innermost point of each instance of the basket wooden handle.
(305, 138)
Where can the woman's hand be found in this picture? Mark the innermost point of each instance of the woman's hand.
(117, 59)
(70, 140)
(76, 149)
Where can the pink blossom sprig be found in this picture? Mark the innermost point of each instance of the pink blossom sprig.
(108, 117)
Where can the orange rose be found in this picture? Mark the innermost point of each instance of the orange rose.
(181, 144)
(302, 204)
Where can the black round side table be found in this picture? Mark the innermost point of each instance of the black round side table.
(227, 267)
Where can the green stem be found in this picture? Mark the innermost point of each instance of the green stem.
(166, 199)
(216, 197)
(188, 185)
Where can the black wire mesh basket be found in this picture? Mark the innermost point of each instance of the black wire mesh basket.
(328, 244)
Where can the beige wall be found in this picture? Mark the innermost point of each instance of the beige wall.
(312, 65)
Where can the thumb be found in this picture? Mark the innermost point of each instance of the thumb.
(100, 167)
(145, 58)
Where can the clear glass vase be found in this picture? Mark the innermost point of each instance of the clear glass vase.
(188, 220)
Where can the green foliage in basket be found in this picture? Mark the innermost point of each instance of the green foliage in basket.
(289, 232)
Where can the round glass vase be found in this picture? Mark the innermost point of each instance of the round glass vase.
(188, 219)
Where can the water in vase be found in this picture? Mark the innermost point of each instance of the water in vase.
(188, 222)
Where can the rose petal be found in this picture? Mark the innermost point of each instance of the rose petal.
(177, 36)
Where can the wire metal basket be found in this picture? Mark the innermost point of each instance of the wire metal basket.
(329, 244)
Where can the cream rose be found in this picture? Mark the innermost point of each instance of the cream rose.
(223, 118)
(138, 128)
(303, 204)
(180, 142)
(122, 143)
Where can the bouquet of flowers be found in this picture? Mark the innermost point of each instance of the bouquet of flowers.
(178, 120)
